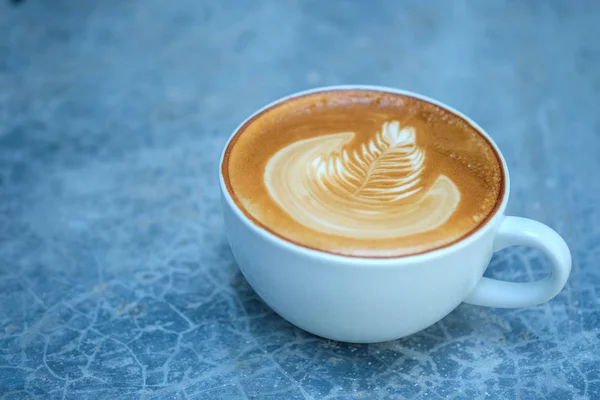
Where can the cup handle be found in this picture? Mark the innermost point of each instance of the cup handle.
(515, 231)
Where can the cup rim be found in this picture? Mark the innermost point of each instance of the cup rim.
(498, 213)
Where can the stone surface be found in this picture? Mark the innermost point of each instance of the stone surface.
(116, 280)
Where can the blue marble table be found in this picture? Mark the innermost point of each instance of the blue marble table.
(116, 279)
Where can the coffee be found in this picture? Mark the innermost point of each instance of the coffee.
(363, 173)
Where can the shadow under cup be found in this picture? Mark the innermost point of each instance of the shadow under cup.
(374, 299)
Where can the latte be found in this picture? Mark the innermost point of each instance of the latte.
(363, 173)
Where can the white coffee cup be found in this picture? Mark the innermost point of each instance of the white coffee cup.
(363, 300)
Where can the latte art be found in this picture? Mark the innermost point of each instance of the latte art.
(387, 168)
(363, 173)
(373, 191)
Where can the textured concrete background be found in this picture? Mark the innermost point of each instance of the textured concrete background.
(116, 280)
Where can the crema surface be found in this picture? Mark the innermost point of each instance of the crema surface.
(363, 173)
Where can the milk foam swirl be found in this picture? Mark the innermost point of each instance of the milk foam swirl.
(386, 169)
(367, 190)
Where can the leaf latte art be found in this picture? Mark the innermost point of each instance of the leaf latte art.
(371, 191)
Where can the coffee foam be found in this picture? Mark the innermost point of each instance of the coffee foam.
(371, 191)
(363, 173)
